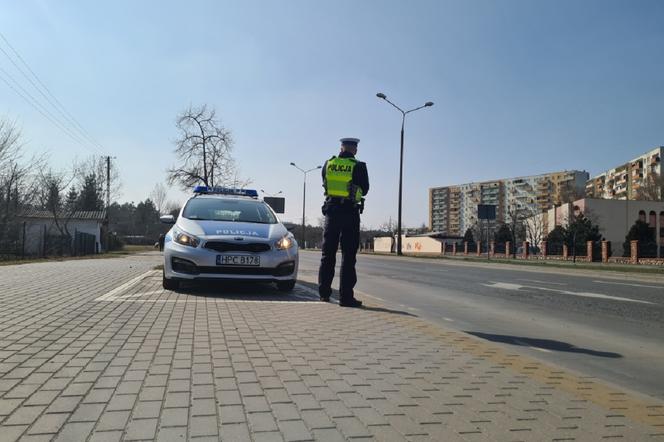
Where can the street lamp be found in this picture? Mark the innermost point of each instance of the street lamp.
(304, 195)
(403, 123)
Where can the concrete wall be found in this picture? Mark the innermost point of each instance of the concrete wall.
(420, 244)
(383, 244)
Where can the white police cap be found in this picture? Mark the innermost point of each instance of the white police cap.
(350, 141)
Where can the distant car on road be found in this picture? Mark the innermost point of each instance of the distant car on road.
(228, 234)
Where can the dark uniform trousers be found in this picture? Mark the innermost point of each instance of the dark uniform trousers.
(342, 224)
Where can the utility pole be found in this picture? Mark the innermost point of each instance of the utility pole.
(108, 202)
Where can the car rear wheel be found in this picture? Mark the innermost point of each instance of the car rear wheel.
(169, 284)
(286, 286)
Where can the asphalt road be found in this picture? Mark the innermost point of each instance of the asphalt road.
(599, 324)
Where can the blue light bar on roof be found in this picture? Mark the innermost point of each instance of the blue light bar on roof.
(226, 191)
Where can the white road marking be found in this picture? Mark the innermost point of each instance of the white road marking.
(137, 295)
(368, 295)
(630, 284)
(525, 344)
(124, 287)
(119, 294)
(517, 287)
(448, 319)
(542, 282)
(504, 285)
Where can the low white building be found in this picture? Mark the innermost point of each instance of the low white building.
(614, 217)
(40, 225)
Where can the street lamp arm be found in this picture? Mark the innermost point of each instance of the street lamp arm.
(418, 108)
(297, 167)
(395, 106)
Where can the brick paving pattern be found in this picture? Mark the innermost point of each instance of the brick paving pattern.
(95, 350)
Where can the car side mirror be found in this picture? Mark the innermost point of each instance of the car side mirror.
(167, 219)
(290, 227)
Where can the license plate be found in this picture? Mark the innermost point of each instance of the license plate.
(238, 260)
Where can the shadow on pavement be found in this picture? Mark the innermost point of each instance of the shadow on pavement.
(241, 291)
(387, 310)
(335, 295)
(547, 344)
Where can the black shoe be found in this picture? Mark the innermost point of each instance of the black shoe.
(324, 299)
(350, 303)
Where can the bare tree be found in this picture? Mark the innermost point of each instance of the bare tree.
(516, 222)
(158, 196)
(652, 189)
(203, 148)
(173, 208)
(388, 226)
(535, 225)
(96, 166)
(16, 180)
(479, 230)
(52, 198)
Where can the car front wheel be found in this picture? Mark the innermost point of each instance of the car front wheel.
(286, 286)
(170, 284)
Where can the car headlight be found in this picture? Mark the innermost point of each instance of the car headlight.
(286, 242)
(185, 239)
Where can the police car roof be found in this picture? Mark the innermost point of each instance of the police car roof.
(226, 196)
(218, 190)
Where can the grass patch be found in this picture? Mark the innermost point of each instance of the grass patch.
(131, 249)
(633, 268)
(127, 250)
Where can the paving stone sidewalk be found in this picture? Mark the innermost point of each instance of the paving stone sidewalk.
(97, 350)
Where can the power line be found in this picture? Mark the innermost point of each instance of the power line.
(70, 125)
(60, 107)
(28, 98)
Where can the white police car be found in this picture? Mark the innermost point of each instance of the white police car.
(228, 234)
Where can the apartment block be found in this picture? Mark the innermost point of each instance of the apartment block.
(628, 180)
(453, 209)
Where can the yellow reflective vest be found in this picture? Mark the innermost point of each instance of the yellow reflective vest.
(339, 179)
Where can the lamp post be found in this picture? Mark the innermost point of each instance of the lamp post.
(304, 195)
(403, 123)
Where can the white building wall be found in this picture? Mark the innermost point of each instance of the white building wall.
(614, 217)
(35, 228)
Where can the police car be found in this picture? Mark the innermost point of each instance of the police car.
(228, 234)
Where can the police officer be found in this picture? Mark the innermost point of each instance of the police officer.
(346, 182)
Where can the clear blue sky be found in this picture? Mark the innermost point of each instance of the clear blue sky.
(520, 87)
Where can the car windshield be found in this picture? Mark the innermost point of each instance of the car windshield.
(217, 209)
